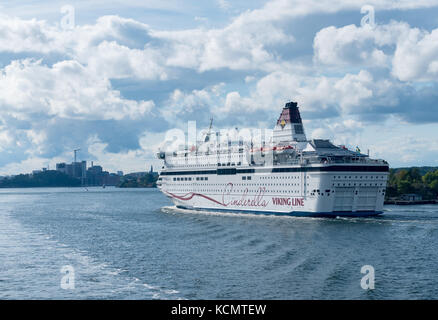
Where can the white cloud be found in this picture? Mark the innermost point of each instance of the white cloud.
(188, 103)
(240, 45)
(356, 46)
(115, 61)
(416, 56)
(350, 94)
(283, 9)
(341, 131)
(353, 89)
(234, 103)
(17, 35)
(67, 90)
(128, 161)
(410, 53)
(37, 138)
(30, 164)
(223, 4)
(405, 149)
(5, 139)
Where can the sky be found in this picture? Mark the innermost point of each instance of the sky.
(113, 78)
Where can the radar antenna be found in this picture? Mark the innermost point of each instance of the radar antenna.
(207, 137)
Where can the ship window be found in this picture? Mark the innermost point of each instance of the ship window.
(206, 178)
(243, 178)
(249, 178)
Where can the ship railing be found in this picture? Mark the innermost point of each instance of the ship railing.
(328, 160)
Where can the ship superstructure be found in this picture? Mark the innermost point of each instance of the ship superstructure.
(284, 174)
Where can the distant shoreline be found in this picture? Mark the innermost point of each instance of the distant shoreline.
(58, 179)
(406, 203)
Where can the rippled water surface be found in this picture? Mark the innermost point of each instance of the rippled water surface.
(133, 244)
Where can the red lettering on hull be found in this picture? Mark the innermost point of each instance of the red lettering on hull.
(228, 199)
(293, 202)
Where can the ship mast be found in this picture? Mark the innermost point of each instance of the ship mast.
(207, 137)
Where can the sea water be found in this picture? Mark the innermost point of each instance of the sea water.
(134, 244)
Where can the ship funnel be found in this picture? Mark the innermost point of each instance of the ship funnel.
(289, 126)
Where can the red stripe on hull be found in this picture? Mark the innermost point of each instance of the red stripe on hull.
(190, 195)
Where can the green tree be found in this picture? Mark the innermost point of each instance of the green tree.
(414, 175)
(429, 177)
(404, 186)
(434, 186)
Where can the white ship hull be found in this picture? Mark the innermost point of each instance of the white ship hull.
(314, 191)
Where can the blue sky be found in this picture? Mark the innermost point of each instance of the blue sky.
(115, 79)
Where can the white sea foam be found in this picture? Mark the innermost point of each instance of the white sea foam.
(261, 215)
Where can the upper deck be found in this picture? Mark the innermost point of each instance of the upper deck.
(316, 152)
(287, 146)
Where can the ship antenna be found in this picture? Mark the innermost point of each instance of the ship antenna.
(207, 137)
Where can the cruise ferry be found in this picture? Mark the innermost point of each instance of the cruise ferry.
(284, 175)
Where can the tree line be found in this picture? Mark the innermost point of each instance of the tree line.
(422, 181)
(147, 181)
(49, 178)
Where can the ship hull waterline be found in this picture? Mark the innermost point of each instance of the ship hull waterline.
(179, 203)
